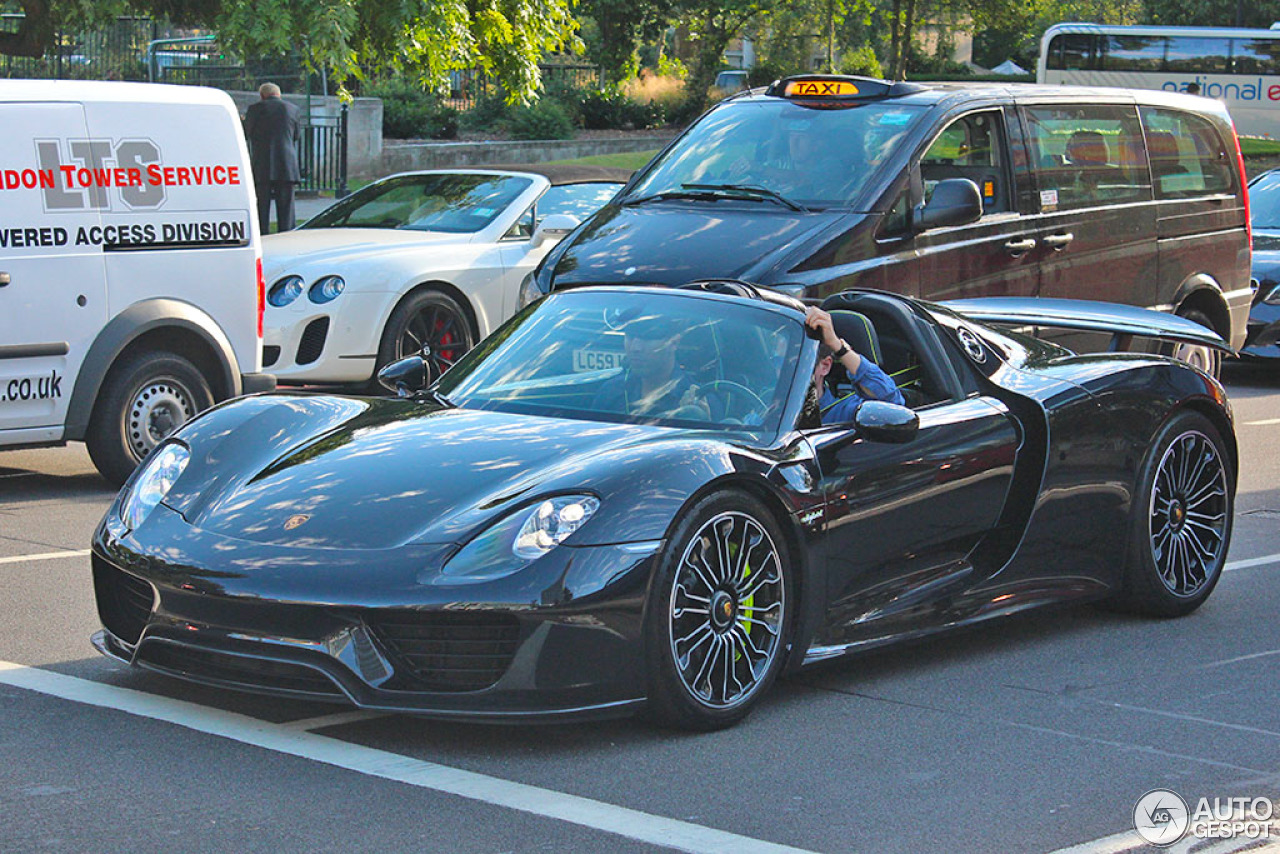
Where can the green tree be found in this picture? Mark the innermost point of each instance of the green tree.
(1213, 13)
(712, 24)
(621, 27)
(425, 38)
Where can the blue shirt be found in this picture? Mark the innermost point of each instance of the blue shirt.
(872, 382)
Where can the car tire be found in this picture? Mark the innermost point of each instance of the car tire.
(1208, 359)
(715, 638)
(1181, 520)
(429, 317)
(144, 398)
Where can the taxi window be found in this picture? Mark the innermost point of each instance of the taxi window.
(817, 158)
(970, 147)
(1188, 157)
(1087, 155)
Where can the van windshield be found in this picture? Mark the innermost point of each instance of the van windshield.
(781, 151)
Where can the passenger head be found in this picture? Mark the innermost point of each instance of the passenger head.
(801, 139)
(1087, 148)
(268, 90)
(650, 344)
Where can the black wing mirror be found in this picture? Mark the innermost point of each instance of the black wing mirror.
(407, 376)
(955, 201)
(879, 421)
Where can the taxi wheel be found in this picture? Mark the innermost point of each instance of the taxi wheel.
(719, 613)
(1208, 360)
(431, 319)
(144, 399)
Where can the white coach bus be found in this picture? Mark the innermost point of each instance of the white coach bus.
(1239, 67)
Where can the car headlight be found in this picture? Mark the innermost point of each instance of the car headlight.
(1273, 298)
(285, 291)
(529, 291)
(153, 483)
(326, 289)
(513, 541)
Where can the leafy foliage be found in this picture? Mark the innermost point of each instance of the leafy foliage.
(545, 119)
(410, 113)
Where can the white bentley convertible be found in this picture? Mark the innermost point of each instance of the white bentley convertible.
(421, 259)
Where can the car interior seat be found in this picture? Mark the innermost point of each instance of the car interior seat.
(897, 343)
(860, 333)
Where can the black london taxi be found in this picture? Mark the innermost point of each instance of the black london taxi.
(820, 183)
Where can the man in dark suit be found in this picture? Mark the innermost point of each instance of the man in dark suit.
(272, 127)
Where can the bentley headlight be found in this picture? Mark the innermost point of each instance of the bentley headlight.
(153, 483)
(285, 291)
(326, 289)
(523, 536)
(529, 291)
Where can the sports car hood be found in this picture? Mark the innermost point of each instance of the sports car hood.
(279, 251)
(334, 472)
(671, 243)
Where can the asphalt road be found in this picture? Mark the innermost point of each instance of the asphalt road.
(1035, 733)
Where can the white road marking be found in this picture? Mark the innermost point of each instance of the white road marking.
(309, 724)
(1254, 561)
(1266, 422)
(633, 824)
(46, 556)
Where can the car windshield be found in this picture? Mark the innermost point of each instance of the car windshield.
(450, 202)
(816, 158)
(1264, 201)
(656, 358)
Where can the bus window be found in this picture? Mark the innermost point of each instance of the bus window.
(1072, 52)
(1134, 53)
(1194, 54)
(1188, 157)
(1256, 56)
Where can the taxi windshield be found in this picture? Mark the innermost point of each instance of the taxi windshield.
(655, 358)
(780, 151)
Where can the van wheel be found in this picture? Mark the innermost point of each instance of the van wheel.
(145, 398)
(1205, 358)
(428, 319)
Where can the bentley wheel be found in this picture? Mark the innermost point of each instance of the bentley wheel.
(143, 400)
(430, 322)
(719, 614)
(1182, 519)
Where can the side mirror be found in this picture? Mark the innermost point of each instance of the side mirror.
(553, 228)
(878, 421)
(407, 376)
(955, 201)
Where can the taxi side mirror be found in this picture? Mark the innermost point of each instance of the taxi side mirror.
(955, 201)
(553, 228)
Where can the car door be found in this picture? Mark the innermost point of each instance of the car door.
(52, 281)
(1097, 230)
(902, 518)
(994, 256)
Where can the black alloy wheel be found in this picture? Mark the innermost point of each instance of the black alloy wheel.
(428, 322)
(1182, 519)
(718, 615)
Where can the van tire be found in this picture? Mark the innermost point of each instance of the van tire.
(1202, 357)
(145, 397)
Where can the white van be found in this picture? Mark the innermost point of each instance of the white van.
(130, 264)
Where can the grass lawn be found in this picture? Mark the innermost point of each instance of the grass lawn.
(625, 160)
(1253, 146)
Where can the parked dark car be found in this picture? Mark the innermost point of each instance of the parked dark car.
(539, 533)
(1264, 315)
(943, 191)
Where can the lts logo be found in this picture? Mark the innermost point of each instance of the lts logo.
(80, 176)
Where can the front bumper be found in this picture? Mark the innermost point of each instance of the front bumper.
(1264, 331)
(560, 639)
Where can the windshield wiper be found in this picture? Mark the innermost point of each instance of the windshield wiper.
(750, 191)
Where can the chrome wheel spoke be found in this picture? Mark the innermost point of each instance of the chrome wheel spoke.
(1188, 513)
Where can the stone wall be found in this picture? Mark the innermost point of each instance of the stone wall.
(408, 156)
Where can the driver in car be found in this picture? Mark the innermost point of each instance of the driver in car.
(869, 381)
(652, 384)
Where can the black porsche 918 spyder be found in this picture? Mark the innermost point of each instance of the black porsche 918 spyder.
(625, 498)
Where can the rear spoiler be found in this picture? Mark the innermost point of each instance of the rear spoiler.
(1122, 322)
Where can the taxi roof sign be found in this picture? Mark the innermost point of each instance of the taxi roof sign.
(834, 88)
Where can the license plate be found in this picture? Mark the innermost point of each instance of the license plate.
(596, 360)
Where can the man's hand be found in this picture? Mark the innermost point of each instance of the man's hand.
(820, 322)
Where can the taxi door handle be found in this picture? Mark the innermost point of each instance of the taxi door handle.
(4, 279)
(1059, 241)
(1020, 247)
